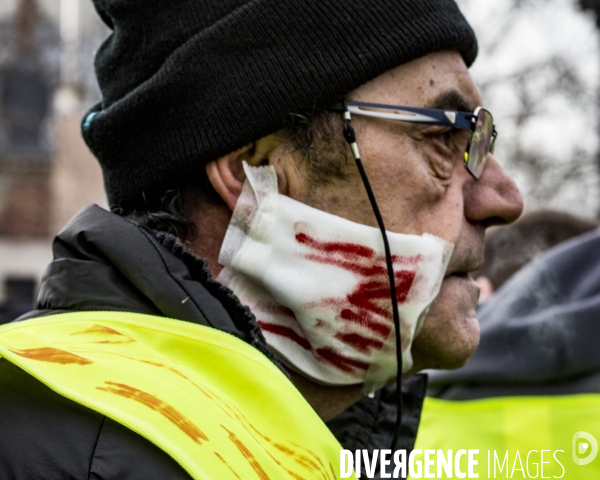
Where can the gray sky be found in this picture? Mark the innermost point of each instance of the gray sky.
(508, 44)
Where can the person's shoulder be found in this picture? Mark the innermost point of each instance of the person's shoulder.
(47, 436)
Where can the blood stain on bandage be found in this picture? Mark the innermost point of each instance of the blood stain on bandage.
(286, 332)
(367, 308)
(358, 342)
(360, 318)
(152, 401)
(275, 309)
(52, 355)
(340, 361)
(353, 257)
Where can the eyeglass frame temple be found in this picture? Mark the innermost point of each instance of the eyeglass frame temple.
(428, 116)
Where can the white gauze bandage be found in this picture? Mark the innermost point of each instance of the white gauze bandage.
(319, 287)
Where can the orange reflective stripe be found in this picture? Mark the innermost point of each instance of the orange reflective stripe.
(214, 403)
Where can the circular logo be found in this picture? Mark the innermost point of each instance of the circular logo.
(585, 444)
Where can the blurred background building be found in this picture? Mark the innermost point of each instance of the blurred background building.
(538, 70)
(46, 171)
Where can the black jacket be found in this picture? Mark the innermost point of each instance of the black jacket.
(106, 262)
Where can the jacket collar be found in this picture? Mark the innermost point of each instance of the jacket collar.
(103, 261)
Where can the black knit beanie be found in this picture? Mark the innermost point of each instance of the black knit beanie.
(186, 81)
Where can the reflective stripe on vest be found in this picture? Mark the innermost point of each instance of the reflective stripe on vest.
(214, 403)
(511, 433)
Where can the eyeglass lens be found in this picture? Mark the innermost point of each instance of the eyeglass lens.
(481, 142)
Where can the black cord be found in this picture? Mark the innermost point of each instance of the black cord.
(350, 137)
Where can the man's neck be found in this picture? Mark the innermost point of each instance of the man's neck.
(327, 401)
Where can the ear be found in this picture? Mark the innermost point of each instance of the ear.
(226, 174)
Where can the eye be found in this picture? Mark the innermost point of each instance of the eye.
(446, 137)
(454, 140)
(443, 136)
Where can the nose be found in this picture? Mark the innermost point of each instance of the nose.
(494, 199)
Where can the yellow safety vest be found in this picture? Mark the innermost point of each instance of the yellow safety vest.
(514, 435)
(214, 403)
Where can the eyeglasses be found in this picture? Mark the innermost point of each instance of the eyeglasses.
(480, 123)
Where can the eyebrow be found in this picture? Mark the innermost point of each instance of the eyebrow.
(452, 100)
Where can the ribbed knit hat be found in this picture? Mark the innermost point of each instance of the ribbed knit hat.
(186, 81)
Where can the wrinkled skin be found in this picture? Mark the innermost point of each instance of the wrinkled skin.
(421, 185)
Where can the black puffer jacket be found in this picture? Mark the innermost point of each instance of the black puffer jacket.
(106, 262)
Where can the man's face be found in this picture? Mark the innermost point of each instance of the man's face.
(421, 185)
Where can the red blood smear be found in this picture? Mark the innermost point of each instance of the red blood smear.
(369, 303)
(404, 280)
(361, 307)
(364, 262)
(402, 260)
(340, 361)
(365, 293)
(285, 332)
(276, 308)
(335, 247)
(352, 257)
(358, 342)
(350, 265)
(365, 320)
